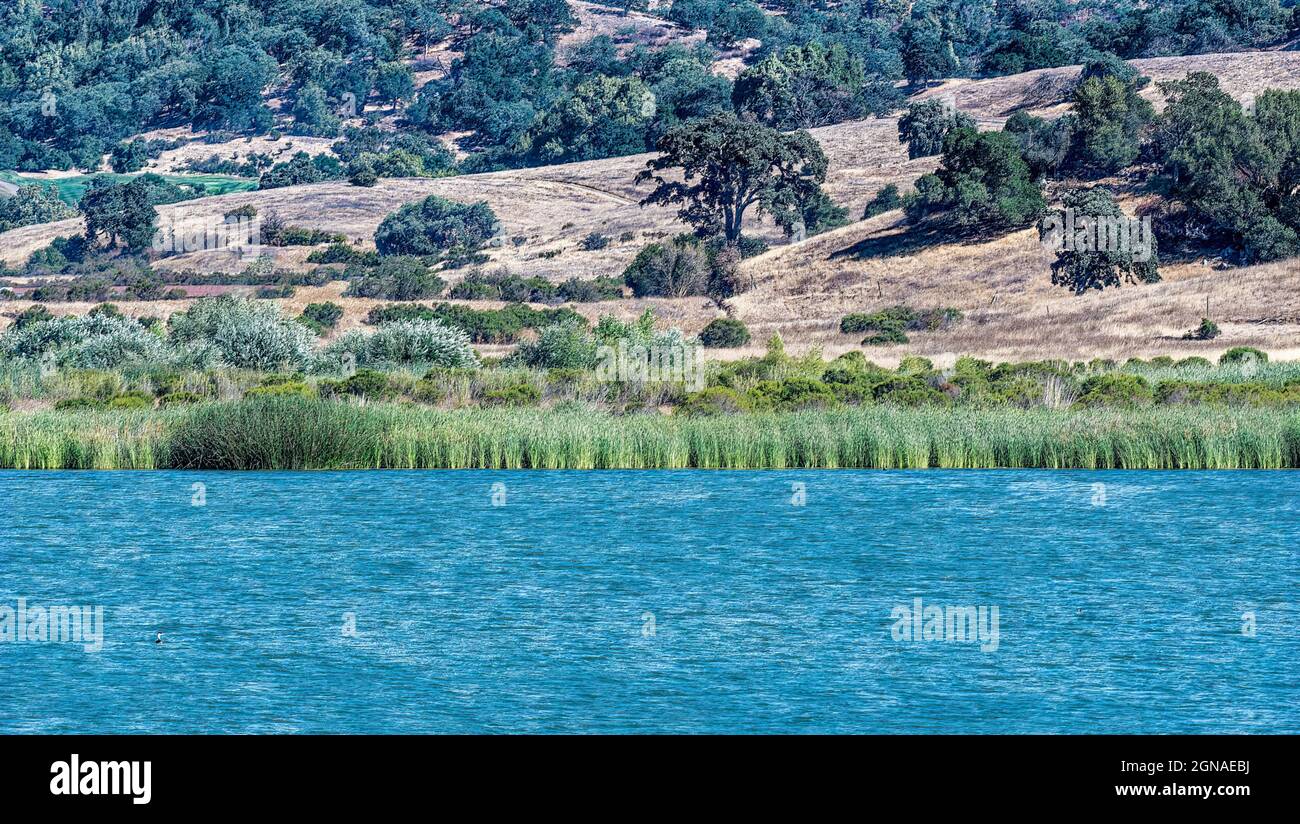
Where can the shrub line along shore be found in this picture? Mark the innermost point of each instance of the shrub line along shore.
(286, 433)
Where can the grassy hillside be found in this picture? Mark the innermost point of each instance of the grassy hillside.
(803, 289)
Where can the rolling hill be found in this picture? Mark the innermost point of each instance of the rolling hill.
(803, 289)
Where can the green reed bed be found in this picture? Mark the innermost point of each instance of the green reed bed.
(292, 433)
(84, 440)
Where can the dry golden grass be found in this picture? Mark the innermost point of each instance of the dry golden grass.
(803, 289)
(1012, 310)
(175, 161)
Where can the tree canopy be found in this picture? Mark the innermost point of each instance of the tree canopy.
(727, 166)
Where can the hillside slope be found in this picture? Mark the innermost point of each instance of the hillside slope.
(803, 289)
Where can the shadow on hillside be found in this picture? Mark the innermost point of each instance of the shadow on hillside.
(897, 244)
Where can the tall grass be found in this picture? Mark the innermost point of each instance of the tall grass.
(291, 433)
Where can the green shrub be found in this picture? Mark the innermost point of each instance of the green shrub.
(131, 400)
(714, 400)
(179, 399)
(428, 342)
(1254, 394)
(246, 334)
(885, 338)
(676, 269)
(482, 325)
(1243, 354)
(1193, 363)
(94, 341)
(72, 404)
(396, 278)
(366, 383)
(30, 315)
(900, 319)
(725, 333)
(567, 345)
(791, 394)
(1116, 389)
(915, 365)
(1208, 330)
(436, 226)
(518, 394)
(343, 253)
(886, 200)
(293, 389)
(325, 315)
(908, 390)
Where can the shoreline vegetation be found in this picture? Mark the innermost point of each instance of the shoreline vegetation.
(233, 384)
(294, 433)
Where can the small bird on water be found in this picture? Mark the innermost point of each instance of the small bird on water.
(158, 640)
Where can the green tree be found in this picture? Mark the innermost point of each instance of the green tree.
(436, 226)
(129, 156)
(926, 54)
(312, 114)
(119, 212)
(1109, 119)
(808, 86)
(33, 204)
(393, 83)
(1237, 175)
(983, 185)
(675, 269)
(1044, 144)
(728, 166)
(926, 124)
(300, 169)
(602, 117)
(1104, 250)
(685, 88)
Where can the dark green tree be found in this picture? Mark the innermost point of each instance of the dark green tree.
(32, 204)
(926, 54)
(393, 83)
(724, 166)
(1236, 174)
(1098, 245)
(983, 186)
(1044, 144)
(119, 212)
(436, 226)
(808, 86)
(1109, 120)
(602, 117)
(312, 114)
(129, 156)
(926, 124)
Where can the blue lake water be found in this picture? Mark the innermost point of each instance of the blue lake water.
(654, 601)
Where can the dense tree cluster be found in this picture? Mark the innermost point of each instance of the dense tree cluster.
(1236, 172)
(79, 80)
(813, 85)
